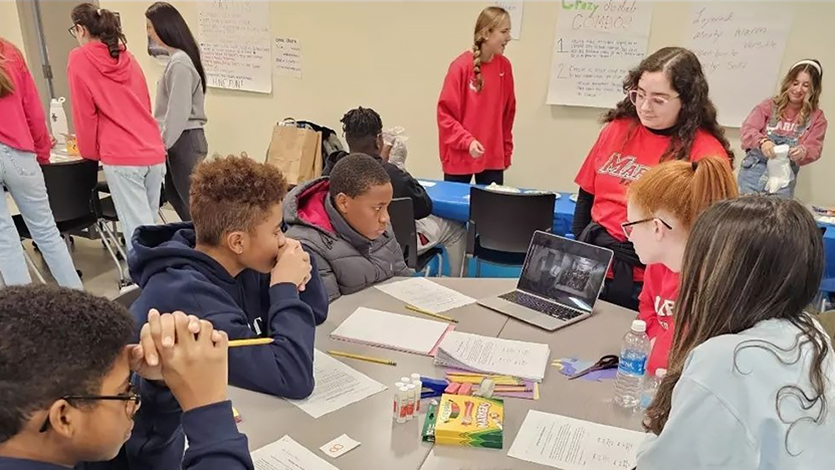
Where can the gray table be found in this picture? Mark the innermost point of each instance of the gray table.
(387, 445)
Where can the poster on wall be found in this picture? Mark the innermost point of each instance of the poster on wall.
(288, 57)
(234, 38)
(595, 45)
(740, 46)
(516, 10)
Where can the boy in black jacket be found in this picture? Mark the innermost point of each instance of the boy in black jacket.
(67, 395)
(363, 129)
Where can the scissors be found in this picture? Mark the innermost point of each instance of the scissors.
(608, 361)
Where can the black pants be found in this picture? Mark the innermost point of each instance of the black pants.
(485, 178)
(189, 150)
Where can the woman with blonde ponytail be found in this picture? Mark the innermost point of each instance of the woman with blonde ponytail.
(477, 106)
(662, 206)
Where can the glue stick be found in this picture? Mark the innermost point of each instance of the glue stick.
(418, 391)
(397, 388)
(403, 404)
(405, 380)
(411, 397)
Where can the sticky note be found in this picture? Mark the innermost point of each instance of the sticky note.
(339, 446)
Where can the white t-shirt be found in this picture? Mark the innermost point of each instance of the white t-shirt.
(725, 417)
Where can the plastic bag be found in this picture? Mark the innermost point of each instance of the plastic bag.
(394, 138)
(779, 170)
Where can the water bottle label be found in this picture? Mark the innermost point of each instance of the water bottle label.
(633, 365)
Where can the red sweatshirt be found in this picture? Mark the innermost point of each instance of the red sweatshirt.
(624, 151)
(465, 115)
(22, 121)
(111, 108)
(656, 303)
(757, 124)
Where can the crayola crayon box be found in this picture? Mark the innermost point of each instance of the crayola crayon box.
(469, 421)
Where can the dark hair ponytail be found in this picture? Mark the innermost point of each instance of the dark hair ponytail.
(173, 30)
(102, 24)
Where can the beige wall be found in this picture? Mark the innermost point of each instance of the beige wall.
(10, 23)
(392, 56)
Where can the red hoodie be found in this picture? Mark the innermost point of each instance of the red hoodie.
(111, 108)
(22, 121)
(656, 303)
(465, 115)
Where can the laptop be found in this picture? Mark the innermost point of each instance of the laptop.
(560, 283)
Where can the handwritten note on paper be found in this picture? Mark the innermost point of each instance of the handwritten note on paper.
(516, 10)
(596, 44)
(426, 295)
(337, 386)
(287, 454)
(573, 444)
(739, 44)
(234, 40)
(288, 57)
(484, 354)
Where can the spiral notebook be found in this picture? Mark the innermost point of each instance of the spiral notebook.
(392, 331)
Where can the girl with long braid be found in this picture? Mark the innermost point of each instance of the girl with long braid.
(477, 106)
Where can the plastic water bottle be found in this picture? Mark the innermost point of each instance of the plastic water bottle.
(651, 388)
(632, 367)
(58, 120)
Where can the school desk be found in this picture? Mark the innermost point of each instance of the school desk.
(385, 444)
(452, 201)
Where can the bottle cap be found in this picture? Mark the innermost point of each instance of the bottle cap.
(399, 384)
(411, 386)
(405, 380)
(415, 377)
(639, 326)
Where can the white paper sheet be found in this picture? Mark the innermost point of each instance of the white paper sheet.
(738, 44)
(337, 386)
(287, 454)
(595, 45)
(516, 10)
(426, 184)
(234, 40)
(288, 57)
(572, 444)
(391, 330)
(493, 355)
(426, 295)
(339, 446)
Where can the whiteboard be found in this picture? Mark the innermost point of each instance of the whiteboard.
(235, 43)
(595, 45)
(740, 46)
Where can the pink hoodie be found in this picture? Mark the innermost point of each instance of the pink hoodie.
(754, 129)
(111, 108)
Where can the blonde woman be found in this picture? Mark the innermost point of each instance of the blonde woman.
(477, 106)
(793, 118)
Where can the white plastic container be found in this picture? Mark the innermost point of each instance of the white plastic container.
(58, 120)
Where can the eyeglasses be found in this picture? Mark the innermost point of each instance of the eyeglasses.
(637, 97)
(73, 30)
(627, 226)
(133, 401)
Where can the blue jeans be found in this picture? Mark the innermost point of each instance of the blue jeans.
(22, 176)
(753, 174)
(136, 193)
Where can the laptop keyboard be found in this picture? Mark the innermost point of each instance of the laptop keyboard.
(535, 303)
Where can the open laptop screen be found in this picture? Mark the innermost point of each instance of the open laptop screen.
(566, 271)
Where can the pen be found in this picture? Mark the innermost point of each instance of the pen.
(362, 358)
(249, 342)
(435, 315)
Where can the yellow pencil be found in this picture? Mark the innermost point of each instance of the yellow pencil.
(435, 315)
(358, 357)
(250, 342)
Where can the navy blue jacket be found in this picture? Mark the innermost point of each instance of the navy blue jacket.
(174, 276)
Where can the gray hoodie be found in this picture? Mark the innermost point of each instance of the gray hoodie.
(348, 262)
(180, 99)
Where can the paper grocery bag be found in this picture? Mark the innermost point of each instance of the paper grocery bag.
(296, 151)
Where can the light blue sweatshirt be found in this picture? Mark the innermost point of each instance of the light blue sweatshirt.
(724, 417)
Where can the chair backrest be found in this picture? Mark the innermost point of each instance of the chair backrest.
(70, 187)
(128, 296)
(402, 216)
(507, 221)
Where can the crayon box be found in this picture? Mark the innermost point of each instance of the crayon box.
(469, 421)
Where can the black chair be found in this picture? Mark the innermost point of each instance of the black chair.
(501, 225)
(69, 186)
(402, 216)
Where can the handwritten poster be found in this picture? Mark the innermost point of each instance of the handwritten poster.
(234, 38)
(740, 46)
(596, 44)
(516, 9)
(288, 57)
